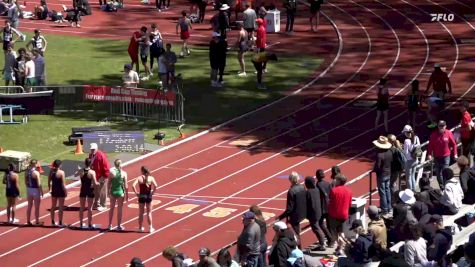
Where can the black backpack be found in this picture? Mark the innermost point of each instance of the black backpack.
(399, 160)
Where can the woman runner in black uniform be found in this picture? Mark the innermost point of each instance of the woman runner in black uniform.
(56, 185)
(382, 104)
(315, 6)
(12, 188)
(147, 186)
(88, 181)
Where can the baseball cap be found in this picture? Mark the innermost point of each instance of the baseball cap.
(93, 146)
(436, 218)
(407, 129)
(37, 30)
(128, 66)
(295, 255)
(356, 224)
(204, 252)
(136, 262)
(280, 226)
(373, 210)
(248, 215)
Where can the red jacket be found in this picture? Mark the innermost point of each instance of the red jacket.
(465, 129)
(100, 164)
(340, 202)
(440, 144)
(261, 34)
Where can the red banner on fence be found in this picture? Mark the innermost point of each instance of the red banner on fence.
(129, 95)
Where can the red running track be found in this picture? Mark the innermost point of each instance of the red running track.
(316, 127)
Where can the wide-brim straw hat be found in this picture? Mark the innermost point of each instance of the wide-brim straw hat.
(382, 142)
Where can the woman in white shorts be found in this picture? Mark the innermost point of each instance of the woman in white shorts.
(34, 192)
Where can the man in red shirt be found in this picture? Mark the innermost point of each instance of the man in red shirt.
(466, 126)
(261, 37)
(441, 142)
(338, 210)
(101, 166)
(440, 81)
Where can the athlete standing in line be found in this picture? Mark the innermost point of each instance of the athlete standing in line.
(86, 193)
(12, 191)
(117, 191)
(147, 186)
(34, 192)
(184, 24)
(56, 185)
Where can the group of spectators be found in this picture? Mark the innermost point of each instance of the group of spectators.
(27, 66)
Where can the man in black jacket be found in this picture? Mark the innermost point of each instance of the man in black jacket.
(314, 211)
(324, 187)
(284, 243)
(296, 209)
(441, 243)
(217, 58)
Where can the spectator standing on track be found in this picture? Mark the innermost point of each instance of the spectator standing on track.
(144, 51)
(397, 164)
(382, 104)
(14, 14)
(324, 187)
(249, 22)
(248, 243)
(57, 188)
(441, 244)
(314, 211)
(9, 67)
(291, 8)
(217, 57)
(38, 42)
(156, 45)
(467, 180)
(225, 259)
(382, 168)
(282, 246)
(413, 103)
(466, 129)
(338, 211)
(205, 258)
(11, 180)
(223, 20)
(118, 192)
(202, 4)
(261, 221)
(377, 227)
(130, 77)
(88, 183)
(243, 45)
(100, 164)
(412, 152)
(133, 50)
(315, 6)
(20, 67)
(184, 24)
(334, 172)
(296, 209)
(40, 75)
(439, 81)
(147, 187)
(34, 192)
(170, 59)
(441, 145)
(452, 195)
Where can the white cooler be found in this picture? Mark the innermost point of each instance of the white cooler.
(273, 21)
(19, 159)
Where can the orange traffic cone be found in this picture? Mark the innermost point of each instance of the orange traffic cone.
(39, 168)
(78, 148)
(182, 135)
(162, 143)
(1, 149)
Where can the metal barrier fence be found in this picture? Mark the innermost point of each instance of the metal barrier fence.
(70, 98)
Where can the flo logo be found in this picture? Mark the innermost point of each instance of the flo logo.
(442, 17)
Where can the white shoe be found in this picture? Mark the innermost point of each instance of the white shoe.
(120, 228)
(214, 84)
(242, 74)
(151, 230)
(145, 78)
(141, 229)
(264, 71)
(101, 208)
(109, 228)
